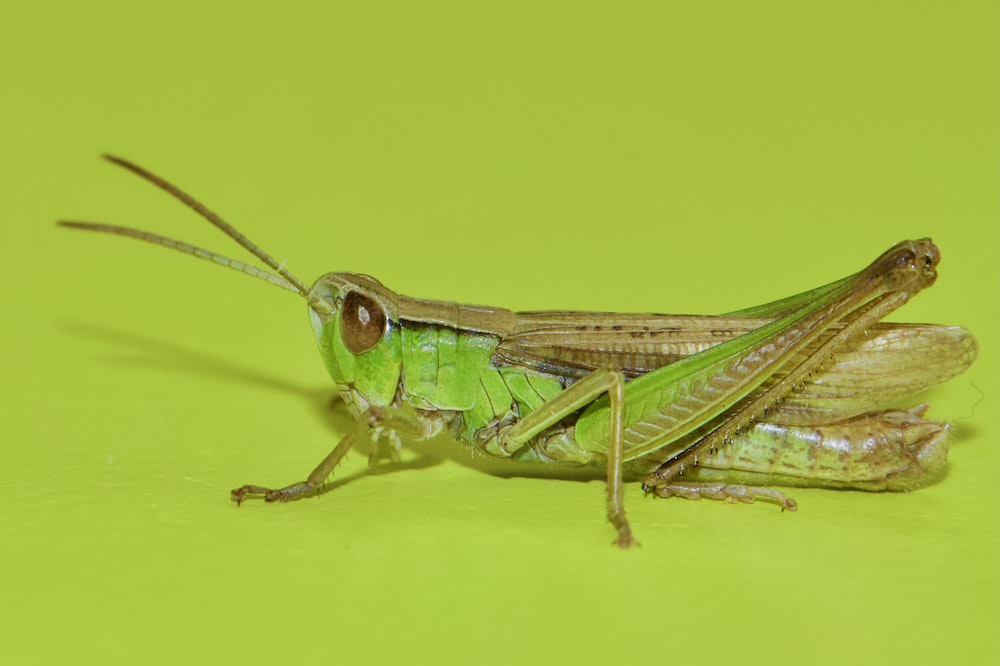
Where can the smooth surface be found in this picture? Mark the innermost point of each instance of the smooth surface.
(535, 155)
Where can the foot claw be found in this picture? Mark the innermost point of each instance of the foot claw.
(239, 495)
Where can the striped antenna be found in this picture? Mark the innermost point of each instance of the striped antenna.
(202, 210)
(187, 248)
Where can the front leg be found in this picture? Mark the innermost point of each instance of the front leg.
(377, 422)
(303, 488)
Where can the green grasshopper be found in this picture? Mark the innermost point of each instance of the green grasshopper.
(794, 392)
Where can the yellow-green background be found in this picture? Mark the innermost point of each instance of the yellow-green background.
(682, 157)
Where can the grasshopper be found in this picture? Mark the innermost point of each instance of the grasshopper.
(796, 392)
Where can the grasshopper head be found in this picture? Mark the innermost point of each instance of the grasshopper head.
(355, 319)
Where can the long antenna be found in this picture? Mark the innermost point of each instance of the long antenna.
(204, 211)
(187, 248)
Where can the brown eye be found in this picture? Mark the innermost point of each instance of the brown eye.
(362, 322)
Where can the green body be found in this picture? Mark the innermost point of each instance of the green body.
(457, 376)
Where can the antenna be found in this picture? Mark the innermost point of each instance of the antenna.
(212, 217)
(187, 248)
(284, 278)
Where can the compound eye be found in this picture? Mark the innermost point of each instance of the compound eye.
(362, 322)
